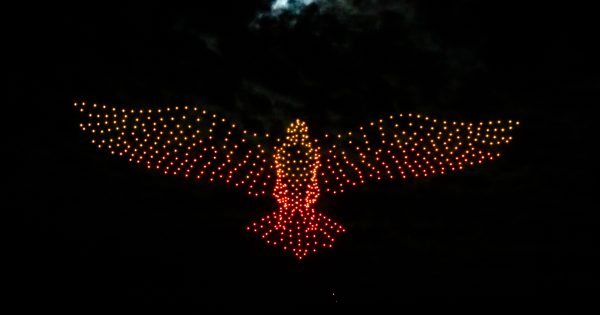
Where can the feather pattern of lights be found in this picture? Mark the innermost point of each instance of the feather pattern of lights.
(193, 143)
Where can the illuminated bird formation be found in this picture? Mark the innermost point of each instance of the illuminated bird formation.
(191, 142)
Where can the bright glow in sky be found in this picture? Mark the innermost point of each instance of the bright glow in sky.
(285, 4)
(279, 4)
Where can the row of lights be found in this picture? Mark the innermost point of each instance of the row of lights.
(409, 146)
(185, 141)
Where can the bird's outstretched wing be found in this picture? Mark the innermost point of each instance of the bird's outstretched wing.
(407, 146)
(182, 140)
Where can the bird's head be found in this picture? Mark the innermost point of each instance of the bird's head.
(296, 153)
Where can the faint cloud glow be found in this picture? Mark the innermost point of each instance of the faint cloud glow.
(290, 5)
(280, 4)
(343, 9)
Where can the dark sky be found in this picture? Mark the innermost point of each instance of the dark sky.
(99, 231)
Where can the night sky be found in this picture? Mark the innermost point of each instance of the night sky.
(99, 231)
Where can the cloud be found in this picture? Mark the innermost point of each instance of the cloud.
(342, 9)
(279, 6)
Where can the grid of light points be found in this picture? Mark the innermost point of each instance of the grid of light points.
(407, 146)
(192, 142)
(296, 225)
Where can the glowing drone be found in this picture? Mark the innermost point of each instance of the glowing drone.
(193, 143)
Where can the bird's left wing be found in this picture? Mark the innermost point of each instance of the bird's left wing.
(407, 146)
(182, 140)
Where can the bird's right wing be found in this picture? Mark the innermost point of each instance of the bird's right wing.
(183, 140)
(407, 146)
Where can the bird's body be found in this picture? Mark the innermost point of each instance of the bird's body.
(193, 143)
(296, 225)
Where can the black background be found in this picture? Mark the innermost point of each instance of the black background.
(99, 231)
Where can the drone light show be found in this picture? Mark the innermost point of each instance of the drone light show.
(293, 167)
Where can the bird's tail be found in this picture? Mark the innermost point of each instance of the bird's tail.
(299, 232)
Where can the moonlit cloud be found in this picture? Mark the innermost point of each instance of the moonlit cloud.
(295, 7)
(343, 9)
(282, 5)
